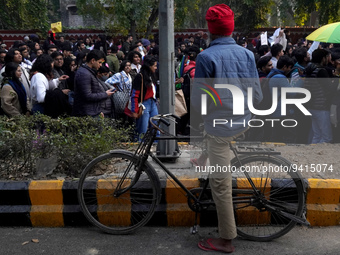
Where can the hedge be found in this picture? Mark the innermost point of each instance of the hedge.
(39, 146)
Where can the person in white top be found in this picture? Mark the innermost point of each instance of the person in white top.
(121, 80)
(277, 52)
(42, 81)
(135, 59)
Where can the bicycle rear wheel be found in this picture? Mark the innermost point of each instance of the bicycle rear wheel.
(137, 201)
(281, 192)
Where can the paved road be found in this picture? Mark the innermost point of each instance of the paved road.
(160, 241)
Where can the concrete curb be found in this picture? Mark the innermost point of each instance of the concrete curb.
(55, 204)
(323, 202)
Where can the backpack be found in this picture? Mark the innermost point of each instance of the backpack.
(56, 103)
(267, 100)
(186, 83)
(315, 72)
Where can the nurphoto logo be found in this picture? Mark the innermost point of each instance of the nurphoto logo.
(238, 104)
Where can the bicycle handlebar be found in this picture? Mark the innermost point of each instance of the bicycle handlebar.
(164, 119)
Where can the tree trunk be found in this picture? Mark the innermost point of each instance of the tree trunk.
(313, 18)
(151, 22)
(133, 30)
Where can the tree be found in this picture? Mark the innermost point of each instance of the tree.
(249, 14)
(24, 14)
(308, 12)
(125, 16)
(191, 13)
(53, 13)
(282, 13)
(132, 16)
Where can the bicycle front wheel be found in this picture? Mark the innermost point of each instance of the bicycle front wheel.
(115, 196)
(280, 192)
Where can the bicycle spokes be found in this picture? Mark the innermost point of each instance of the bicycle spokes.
(273, 207)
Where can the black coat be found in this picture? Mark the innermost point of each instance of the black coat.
(320, 86)
(88, 94)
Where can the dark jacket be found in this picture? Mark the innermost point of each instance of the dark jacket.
(88, 94)
(106, 105)
(57, 73)
(318, 83)
(262, 74)
(126, 48)
(228, 63)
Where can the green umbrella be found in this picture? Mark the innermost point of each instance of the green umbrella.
(329, 33)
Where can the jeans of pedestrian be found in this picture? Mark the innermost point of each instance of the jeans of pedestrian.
(142, 123)
(321, 126)
(38, 108)
(221, 185)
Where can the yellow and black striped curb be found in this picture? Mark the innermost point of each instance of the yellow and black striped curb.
(323, 202)
(55, 204)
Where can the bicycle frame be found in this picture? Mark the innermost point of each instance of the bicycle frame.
(236, 200)
(148, 140)
(270, 204)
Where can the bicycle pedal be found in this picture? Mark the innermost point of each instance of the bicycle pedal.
(194, 229)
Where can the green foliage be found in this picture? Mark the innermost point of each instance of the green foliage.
(134, 16)
(72, 141)
(53, 13)
(249, 14)
(129, 16)
(125, 16)
(24, 14)
(191, 13)
(328, 10)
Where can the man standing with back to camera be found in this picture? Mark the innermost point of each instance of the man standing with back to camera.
(226, 61)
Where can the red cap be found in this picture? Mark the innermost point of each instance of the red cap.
(220, 20)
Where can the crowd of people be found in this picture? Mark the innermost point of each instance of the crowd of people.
(103, 77)
(82, 77)
(299, 66)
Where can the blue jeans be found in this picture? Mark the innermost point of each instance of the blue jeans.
(321, 126)
(142, 123)
(38, 108)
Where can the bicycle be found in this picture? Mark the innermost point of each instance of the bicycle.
(119, 191)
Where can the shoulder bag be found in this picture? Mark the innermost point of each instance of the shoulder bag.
(121, 97)
(127, 109)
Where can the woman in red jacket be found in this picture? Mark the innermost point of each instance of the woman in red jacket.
(148, 101)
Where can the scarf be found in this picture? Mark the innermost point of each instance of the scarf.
(21, 92)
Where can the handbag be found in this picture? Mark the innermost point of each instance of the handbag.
(121, 97)
(127, 109)
(180, 105)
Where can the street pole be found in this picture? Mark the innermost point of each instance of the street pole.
(167, 149)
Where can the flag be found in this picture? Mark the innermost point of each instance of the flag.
(56, 27)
